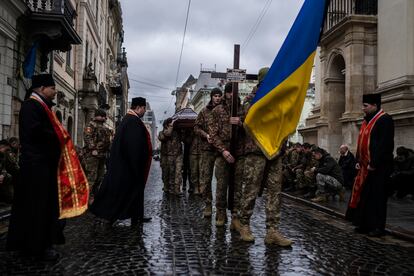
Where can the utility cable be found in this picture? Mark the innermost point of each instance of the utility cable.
(256, 25)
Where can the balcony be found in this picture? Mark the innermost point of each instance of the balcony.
(51, 22)
(339, 10)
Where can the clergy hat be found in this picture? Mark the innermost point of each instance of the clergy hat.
(138, 101)
(372, 99)
(216, 91)
(42, 80)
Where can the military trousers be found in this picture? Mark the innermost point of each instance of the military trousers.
(238, 183)
(174, 171)
(206, 166)
(195, 173)
(222, 176)
(327, 184)
(260, 171)
(95, 171)
(165, 172)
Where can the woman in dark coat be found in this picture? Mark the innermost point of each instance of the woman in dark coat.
(121, 195)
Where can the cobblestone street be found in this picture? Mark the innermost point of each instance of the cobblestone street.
(179, 241)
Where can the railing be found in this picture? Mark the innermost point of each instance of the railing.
(62, 7)
(339, 9)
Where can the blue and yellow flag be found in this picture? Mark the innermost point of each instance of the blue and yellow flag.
(276, 108)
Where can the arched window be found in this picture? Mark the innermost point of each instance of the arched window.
(59, 116)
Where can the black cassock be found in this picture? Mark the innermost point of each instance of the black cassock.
(121, 194)
(371, 211)
(34, 224)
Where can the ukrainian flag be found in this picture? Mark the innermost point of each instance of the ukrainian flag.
(276, 108)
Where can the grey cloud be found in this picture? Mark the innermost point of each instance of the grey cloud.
(153, 35)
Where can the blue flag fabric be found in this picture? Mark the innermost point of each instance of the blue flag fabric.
(29, 62)
(275, 110)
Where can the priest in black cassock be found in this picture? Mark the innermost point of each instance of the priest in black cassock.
(121, 195)
(368, 204)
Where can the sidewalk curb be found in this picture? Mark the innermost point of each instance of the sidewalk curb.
(389, 229)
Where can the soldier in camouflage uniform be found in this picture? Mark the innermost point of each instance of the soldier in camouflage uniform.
(208, 154)
(305, 178)
(97, 138)
(173, 153)
(195, 154)
(8, 172)
(258, 169)
(164, 157)
(220, 126)
(293, 163)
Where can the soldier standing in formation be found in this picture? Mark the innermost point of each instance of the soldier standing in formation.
(97, 139)
(195, 155)
(257, 170)
(172, 151)
(220, 126)
(208, 154)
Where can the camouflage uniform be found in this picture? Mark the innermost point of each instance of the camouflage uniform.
(220, 131)
(259, 171)
(97, 139)
(174, 160)
(8, 169)
(195, 154)
(208, 154)
(304, 176)
(164, 163)
(292, 160)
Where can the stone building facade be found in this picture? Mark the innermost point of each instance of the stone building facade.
(361, 52)
(80, 43)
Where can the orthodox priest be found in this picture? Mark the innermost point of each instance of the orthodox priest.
(51, 184)
(368, 204)
(121, 195)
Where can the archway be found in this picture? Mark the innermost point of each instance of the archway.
(335, 85)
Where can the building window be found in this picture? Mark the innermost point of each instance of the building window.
(86, 53)
(68, 58)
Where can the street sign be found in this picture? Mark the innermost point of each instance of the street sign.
(236, 75)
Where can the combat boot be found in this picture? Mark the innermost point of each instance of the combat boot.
(235, 224)
(274, 237)
(246, 234)
(207, 211)
(220, 218)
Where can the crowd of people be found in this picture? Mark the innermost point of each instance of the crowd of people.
(116, 168)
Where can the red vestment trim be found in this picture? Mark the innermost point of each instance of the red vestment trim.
(149, 145)
(73, 188)
(363, 158)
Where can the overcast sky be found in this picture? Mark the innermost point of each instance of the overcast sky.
(154, 32)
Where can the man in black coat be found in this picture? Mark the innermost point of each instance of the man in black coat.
(347, 163)
(34, 225)
(368, 204)
(121, 195)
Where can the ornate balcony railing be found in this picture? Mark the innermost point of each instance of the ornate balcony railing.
(339, 9)
(53, 7)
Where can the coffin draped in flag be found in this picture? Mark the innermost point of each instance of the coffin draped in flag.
(276, 108)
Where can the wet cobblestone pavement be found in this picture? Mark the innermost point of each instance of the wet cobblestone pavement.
(179, 241)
